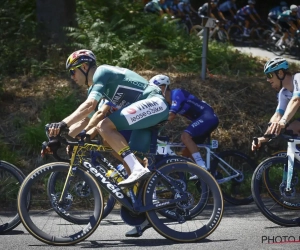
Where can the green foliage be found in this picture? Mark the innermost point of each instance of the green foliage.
(18, 40)
(57, 108)
(6, 154)
(123, 35)
(119, 33)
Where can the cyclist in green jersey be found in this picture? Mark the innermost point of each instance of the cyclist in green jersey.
(139, 104)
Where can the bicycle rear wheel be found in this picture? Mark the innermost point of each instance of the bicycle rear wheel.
(10, 181)
(186, 228)
(183, 180)
(236, 191)
(44, 221)
(268, 192)
(81, 189)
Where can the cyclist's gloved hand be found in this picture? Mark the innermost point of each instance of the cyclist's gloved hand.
(55, 128)
(61, 125)
(82, 134)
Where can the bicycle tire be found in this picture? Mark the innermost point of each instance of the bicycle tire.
(170, 213)
(46, 225)
(236, 191)
(221, 35)
(197, 30)
(11, 178)
(190, 229)
(267, 192)
(79, 190)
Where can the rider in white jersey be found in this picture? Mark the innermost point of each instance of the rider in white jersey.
(288, 86)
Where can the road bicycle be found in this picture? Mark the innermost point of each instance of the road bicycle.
(285, 48)
(81, 188)
(256, 34)
(11, 178)
(232, 169)
(275, 184)
(218, 33)
(194, 219)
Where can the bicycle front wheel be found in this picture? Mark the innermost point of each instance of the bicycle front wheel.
(268, 189)
(79, 188)
(221, 35)
(186, 227)
(236, 190)
(10, 181)
(44, 221)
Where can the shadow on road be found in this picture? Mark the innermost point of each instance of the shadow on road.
(139, 242)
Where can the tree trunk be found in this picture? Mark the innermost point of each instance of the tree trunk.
(53, 15)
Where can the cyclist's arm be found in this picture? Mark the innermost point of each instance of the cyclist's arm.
(192, 9)
(275, 118)
(221, 15)
(97, 117)
(212, 16)
(171, 116)
(232, 12)
(82, 111)
(77, 127)
(253, 18)
(291, 110)
(293, 26)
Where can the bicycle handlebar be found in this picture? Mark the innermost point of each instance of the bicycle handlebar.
(54, 143)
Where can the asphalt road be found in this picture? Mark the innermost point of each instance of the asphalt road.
(242, 227)
(258, 52)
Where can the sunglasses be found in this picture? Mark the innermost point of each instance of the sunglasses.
(72, 70)
(269, 75)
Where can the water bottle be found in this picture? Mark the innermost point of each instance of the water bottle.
(115, 174)
(122, 170)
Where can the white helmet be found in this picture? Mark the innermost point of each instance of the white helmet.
(293, 7)
(275, 64)
(160, 80)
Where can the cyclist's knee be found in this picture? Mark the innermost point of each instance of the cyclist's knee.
(185, 137)
(105, 125)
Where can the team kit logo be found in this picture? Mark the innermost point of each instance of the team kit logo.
(143, 109)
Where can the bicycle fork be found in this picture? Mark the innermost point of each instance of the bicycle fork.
(291, 151)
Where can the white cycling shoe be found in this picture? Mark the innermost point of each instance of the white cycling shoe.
(134, 232)
(136, 175)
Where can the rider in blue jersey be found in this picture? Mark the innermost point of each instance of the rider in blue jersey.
(202, 116)
(203, 122)
(214, 10)
(228, 9)
(247, 14)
